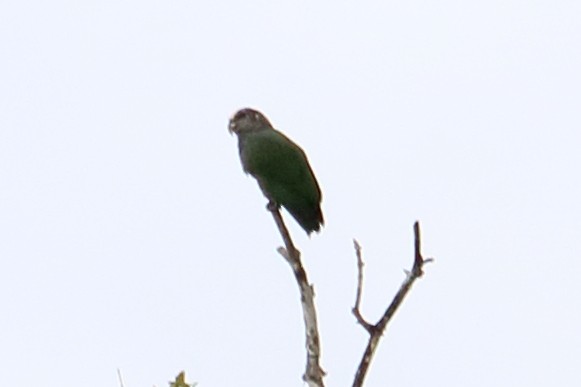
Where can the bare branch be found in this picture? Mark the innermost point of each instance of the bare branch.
(356, 309)
(120, 377)
(314, 373)
(376, 331)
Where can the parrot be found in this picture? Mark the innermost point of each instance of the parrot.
(280, 167)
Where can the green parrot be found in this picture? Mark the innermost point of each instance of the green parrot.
(280, 166)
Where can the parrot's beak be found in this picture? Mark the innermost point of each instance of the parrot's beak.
(232, 126)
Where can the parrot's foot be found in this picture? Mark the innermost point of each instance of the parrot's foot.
(272, 206)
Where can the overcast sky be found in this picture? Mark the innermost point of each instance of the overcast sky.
(130, 238)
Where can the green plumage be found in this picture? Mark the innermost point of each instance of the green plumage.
(280, 167)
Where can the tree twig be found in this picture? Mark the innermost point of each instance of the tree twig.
(120, 378)
(376, 330)
(356, 309)
(314, 373)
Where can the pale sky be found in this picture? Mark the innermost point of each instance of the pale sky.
(130, 238)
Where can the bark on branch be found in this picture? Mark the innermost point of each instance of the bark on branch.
(314, 374)
(376, 330)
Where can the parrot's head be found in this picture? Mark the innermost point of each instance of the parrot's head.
(248, 120)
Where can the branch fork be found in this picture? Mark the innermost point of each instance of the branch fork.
(376, 330)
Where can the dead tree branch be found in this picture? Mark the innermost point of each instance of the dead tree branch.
(376, 330)
(314, 373)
